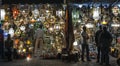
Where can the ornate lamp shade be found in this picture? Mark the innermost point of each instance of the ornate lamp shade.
(35, 13)
(11, 32)
(28, 42)
(96, 14)
(15, 12)
(2, 14)
(115, 10)
(22, 28)
(57, 27)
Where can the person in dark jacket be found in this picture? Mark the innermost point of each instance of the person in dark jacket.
(97, 43)
(105, 40)
(9, 47)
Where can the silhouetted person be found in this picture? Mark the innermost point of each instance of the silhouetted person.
(85, 44)
(105, 40)
(9, 47)
(1, 43)
(97, 34)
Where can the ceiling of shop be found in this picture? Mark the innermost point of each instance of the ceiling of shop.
(52, 1)
(31, 1)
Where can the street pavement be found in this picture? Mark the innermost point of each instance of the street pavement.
(52, 62)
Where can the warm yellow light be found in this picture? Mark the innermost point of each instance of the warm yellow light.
(112, 49)
(2, 14)
(28, 42)
(24, 50)
(104, 22)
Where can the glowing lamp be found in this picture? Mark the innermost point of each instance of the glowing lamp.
(104, 22)
(115, 25)
(24, 50)
(89, 25)
(51, 29)
(16, 41)
(22, 28)
(15, 12)
(28, 42)
(35, 13)
(75, 43)
(11, 32)
(2, 14)
(57, 27)
(5, 34)
(96, 14)
(112, 49)
(80, 5)
(32, 20)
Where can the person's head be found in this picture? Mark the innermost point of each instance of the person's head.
(84, 28)
(9, 36)
(105, 28)
(100, 27)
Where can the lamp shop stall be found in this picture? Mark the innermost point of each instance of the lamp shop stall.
(21, 21)
(92, 15)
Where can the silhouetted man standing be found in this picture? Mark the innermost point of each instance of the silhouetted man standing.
(105, 40)
(1, 42)
(97, 34)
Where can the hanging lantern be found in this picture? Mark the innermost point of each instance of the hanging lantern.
(115, 10)
(22, 28)
(57, 27)
(16, 41)
(2, 14)
(51, 29)
(51, 20)
(104, 22)
(59, 13)
(96, 14)
(33, 20)
(11, 32)
(75, 43)
(28, 42)
(35, 13)
(18, 32)
(89, 25)
(15, 12)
